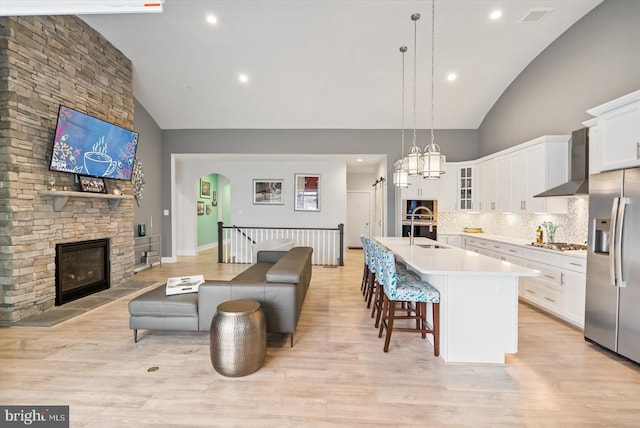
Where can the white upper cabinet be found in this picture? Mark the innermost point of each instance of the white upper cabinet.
(507, 181)
(466, 187)
(420, 188)
(503, 184)
(448, 190)
(456, 188)
(488, 185)
(617, 140)
(537, 168)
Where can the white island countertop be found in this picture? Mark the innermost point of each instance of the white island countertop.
(444, 259)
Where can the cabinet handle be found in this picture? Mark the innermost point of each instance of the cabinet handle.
(549, 276)
(530, 292)
(513, 251)
(524, 204)
(575, 264)
(550, 299)
(496, 246)
(493, 205)
(638, 151)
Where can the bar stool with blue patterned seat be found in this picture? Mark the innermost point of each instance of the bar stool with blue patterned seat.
(400, 271)
(407, 289)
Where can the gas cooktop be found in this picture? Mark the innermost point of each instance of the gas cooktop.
(560, 246)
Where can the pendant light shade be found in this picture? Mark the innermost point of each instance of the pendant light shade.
(415, 164)
(400, 176)
(433, 162)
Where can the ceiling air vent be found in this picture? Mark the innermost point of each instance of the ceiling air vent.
(534, 16)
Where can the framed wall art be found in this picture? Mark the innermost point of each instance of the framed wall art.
(92, 184)
(307, 192)
(205, 188)
(200, 208)
(267, 192)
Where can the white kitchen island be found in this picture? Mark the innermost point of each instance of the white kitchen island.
(478, 298)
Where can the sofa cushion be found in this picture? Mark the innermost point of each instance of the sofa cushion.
(291, 266)
(157, 304)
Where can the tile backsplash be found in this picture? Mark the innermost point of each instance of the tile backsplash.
(573, 225)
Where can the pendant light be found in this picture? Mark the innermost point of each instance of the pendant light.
(414, 159)
(400, 175)
(433, 162)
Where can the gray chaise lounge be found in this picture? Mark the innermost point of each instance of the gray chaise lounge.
(279, 281)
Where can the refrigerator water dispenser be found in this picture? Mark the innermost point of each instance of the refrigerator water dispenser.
(601, 236)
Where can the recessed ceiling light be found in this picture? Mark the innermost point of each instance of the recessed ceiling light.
(451, 77)
(496, 14)
(358, 160)
(211, 19)
(243, 78)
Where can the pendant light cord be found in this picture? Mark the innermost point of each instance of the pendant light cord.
(403, 49)
(415, 18)
(433, 44)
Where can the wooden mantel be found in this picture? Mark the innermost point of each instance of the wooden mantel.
(60, 197)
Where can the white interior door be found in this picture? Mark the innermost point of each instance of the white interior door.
(358, 217)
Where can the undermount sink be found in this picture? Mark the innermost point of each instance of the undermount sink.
(434, 246)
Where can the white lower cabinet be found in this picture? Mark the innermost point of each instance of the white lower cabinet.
(544, 290)
(560, 288)
(574, 281)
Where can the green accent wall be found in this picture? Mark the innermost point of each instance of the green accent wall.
(208, 223)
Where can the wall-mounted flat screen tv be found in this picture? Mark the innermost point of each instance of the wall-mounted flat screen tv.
(87, 145)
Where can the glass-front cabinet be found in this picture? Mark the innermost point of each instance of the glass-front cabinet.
(465, 187)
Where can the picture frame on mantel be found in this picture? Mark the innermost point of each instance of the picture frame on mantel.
(268, 192)
(205, 188)
(92, 184)
(307, 192)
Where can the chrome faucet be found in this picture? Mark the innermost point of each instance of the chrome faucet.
(413, 215)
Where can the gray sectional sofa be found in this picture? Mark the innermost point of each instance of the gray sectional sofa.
(278, 280)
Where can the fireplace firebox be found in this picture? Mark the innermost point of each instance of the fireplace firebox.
(82, 268)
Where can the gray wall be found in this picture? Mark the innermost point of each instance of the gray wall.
(149, 153)
(456, 144)
(595, 61)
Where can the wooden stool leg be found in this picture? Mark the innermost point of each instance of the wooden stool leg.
(436, 328)
(365, 279)
(391, 311)
(383, 314)
(422, 318)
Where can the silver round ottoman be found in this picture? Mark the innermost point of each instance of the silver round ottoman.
(238, 338)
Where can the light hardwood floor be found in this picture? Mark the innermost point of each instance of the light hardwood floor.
(335, 375)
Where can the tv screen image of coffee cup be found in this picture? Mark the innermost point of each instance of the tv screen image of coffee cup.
(87, 145)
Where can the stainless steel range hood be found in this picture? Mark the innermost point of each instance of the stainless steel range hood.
(578, 183)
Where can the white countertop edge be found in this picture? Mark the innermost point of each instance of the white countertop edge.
(450, 260)
(524, 243)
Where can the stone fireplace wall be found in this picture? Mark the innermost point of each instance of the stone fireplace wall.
(46, 61)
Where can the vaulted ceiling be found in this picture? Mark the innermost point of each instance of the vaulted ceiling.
(330, 64)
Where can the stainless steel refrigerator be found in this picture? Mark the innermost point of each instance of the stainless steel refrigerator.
(612, 312)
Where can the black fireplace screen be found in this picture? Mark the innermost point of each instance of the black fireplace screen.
(82, 268)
